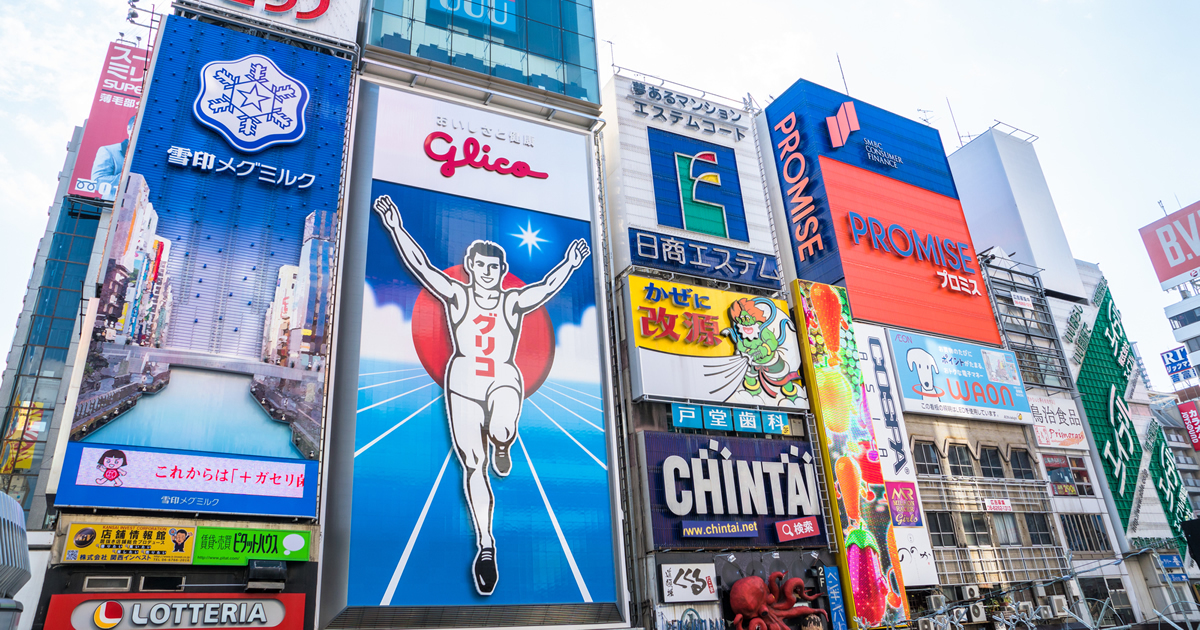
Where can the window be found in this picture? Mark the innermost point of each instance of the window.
(1080, 474)
(990, 464)
(1098, 591)
(941, 529)
(1039, 529)
(975, 529)
(960, 461)
(1021, 464)
(1006, 529)
(926, 456)
(1085, 532)
(1058, 470)
(1193, 344)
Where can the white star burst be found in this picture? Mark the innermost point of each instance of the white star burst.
(529, 237)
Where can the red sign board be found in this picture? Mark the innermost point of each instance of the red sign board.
(907, 255)
(797, 528)
(105, 138)
(160, 611)
(1191, 419)
(1173, 243)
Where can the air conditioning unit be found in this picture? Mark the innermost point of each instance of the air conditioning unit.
(978, 612)
(925, 623)
(1043, 612)
(1025, 608)
(1040, 590)
(970, 591)
(936, 602)
(942, 621)
(960, 615)
(1059, 604)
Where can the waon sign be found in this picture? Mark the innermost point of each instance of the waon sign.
(869, 203)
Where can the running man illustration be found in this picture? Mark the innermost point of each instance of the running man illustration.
(484, 387)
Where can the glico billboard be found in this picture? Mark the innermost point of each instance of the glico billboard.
(868, 202)
(482, 474)
(204, 387)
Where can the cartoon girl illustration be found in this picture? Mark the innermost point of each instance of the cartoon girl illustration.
(112, 466)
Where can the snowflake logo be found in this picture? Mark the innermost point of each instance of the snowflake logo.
(251, 103)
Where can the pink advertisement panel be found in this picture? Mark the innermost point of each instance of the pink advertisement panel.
(110, 123)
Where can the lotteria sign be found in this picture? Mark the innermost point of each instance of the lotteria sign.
(146, 611)
(881, 217)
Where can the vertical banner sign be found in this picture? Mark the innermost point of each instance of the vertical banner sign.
(481, 473)
(1191, 420)
(895, 456)
(1171, 493)
(1103, 377)
(105, 139)
(204, 388)
(862, 517)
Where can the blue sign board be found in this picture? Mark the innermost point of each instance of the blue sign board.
(686, 416)
(704, 259)
(209, 354)
(117, 476)
(696, 186)
(837, 605)
(963, 380)
(776, 423)
(1176, 361)
(747, 421)
(718, 418)
(1171, 560)
(730, 484)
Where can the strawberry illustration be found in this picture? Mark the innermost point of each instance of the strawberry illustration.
(867, 583)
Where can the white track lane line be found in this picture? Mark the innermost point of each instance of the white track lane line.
(390, 372)
(397, 426)
(535, 406)
(598, 428)
(399, 380)
(562, 540)
(576, 390)
(412, 538)
(576, 399)
(394, 397)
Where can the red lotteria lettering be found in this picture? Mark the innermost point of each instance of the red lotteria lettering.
(475, 156)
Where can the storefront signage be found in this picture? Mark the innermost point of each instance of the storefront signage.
(882, 220)
(1191, 420)
(327, 19)
(695, 616)
(1056, 423)
(679, 254)
(1171, 560)
(104, 475)
(863, 525)
(895, 455)
(701, 489)
(997, 505)
(235, 546)
(1169, 483)
(1176, 361)
(796, 529)
(689, 582)
(1022, 300)
(950, 378)
(837, 606)
(1062, 478)
(142, 611)
(1107, 366)
(729, 419)
(694, 343)
(1173, 243)
(105, 139)
(685, 112)
(128, 543)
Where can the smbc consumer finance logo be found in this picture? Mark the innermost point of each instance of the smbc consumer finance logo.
(127, 614)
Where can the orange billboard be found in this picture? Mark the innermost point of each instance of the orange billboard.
(906, 255)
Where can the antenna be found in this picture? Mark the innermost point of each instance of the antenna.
(839, 60)
(956, 131)
(1178, 201)
(612, 54)
(924, 115)
(1163, 208)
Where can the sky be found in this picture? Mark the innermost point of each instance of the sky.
(1106, 87)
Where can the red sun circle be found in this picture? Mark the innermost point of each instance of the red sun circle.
(432, 340)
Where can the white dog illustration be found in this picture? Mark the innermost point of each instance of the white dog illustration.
(920, 361)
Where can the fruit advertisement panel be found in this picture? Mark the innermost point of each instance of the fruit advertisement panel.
(862, 518)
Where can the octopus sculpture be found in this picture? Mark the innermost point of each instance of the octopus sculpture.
(757, 608)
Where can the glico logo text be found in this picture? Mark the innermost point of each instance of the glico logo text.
(475, 156)
(942, 252)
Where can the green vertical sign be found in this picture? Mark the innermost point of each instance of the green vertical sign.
(1103, 378)
(234, 546)
(1171, 492)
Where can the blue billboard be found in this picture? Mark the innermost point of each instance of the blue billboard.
(481, 465)
(211, 337)
(950, 378)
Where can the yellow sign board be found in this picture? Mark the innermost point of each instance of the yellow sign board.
(125, 542)
(695, 343)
